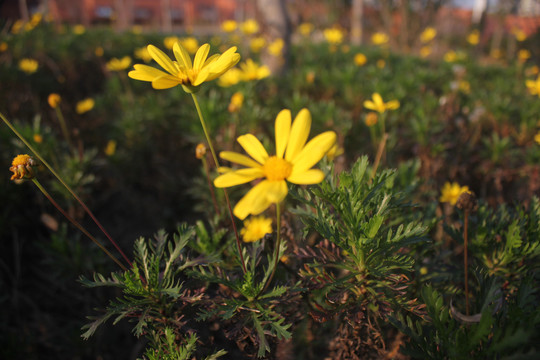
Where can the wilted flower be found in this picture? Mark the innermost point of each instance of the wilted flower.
(256, 44)
(360, 59)
(371, 119)
(379, 105)
(22, 167)
(333, 35)
(292, 162)
(305, 28)
(532, 70)
(54, 100)
(28, 66)
(428, 34)
(256, 228)
(533, 86)
(451, 191)
(229, 26)
(252, 71)
(250, 27)
(496, 53)
(116, 64)
(379, 38)
(237, 100)
(84, 105)
(474, 37)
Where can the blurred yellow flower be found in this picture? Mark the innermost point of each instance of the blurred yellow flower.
(425, 51)
(474, 37)
(116, 64)
(17, 26)
(428, 34)
(377, 104)
(169, 41)
(464, 86)
(256, 44)
(250, 27)
(38, 139)
(379, 38)
(533, 86)
(230, 78)
(3, 46)
(380, 63)
(519, 34)
(237, 100)
(22, 167)
(275, 48)
(371, 119)
(423, 270)
(79, 29)
(523, 55)
(252, 71)
(293, 162)
(54, 100)
(310, 77)
(28, 66)
(190, 44)
(305, 28)
(496, 53)
(256, 228)
(183, 71)
(450, 56)
(99, 51)
(333, 35)
(451, 192)
(110, 148)
(143, 54)
(84, 105)
(360, 59)
(200, 151)
(229, 26)
(537, 138)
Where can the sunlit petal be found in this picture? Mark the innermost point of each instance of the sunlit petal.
(313, 152)
(253, 147)
(162, 59)
(145, 73)
(239, 159)
(237, 177)
(165, 82)
(201, 56)
(299, 134)
(254, 202)
(276, 191)
(368, 104)
(283, 130)
(182, 56)
(377, 99)
(392, 105)
(313, 176)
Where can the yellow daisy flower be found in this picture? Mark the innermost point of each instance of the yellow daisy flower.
(451, 192)
(84, 105)
(305, 28)
(28, 66)
(292, 162)
(533, 86)
(229, 26)
(428, 34)
(379, 105)
(379, 38)
(255, 228)
(333, 35)
(116, 64)
(474, 37)
(237, 100)
(230, 78)
(250, 27)
(253, 71)
(183, 71)
(360, 59)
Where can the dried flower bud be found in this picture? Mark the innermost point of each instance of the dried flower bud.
(22, 167)
(467, 201)
(200, 151)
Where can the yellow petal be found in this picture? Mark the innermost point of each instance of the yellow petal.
(237, 177)
(165, 82)
(239, 159)
(283, 130)
(368, 104)
(299, 134)
(200, 56)
(392, 105)
(223, 63)
(162, 59)
(530, 83)
(313, 152)
(377, 99)
(253, 147)
(182, 56)
(276, 191)
(309, 177)
(145, 73)
(211, 59)
(254, 202)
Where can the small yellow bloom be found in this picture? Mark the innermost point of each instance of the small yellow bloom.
(523, 55)
(451, 192)
(17, 26)
(116, 64)
(371, 119)
(22, 167)
(169, 41)
(54, 100)
(334, 35)
(252, 71)
(293, 162)
(423, 270)
(84, 105)
(110, 148)
(537, 138)
(79, 29)
(496, 53)
(425, 51)
(533, 86)
(190, 74)
(519, 34)
(29, 66)
(474, 37)
(229, 26)
(305, 28)
(428, 34)
(237, 100)
(3, 46)
(230, 78)
(360, 59)
(38, 139)
(256, 228)
(379, 38)
(464, 86)
(200, 151)
(310, 77)
(380, 63)
(275, 48)
(190, 44)
(143, 54)
(450, 56)
(36, 18)
(99, 51)
(379, 105)
(250, 27)
(256, 44)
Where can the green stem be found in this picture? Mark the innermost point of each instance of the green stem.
(276, 250)
(77, 225)
(210, 187)
(86, 209)
(214, 156)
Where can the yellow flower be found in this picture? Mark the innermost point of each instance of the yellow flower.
(118, 64)
(334, 36)
(519, 34)
(229, 26)
(379, 105)
(252, 71)
(169, 41)
(250, 27)
(537, 138)
(474, 37)
(379, 38)
(230, 78)
(38, 139)
(380, 63)
(276, 47)
(190, 44)
(17, 26)
(450, 56)
(256, 44)
(496, 53)
(54, 100)
(310, 77)
(523, 55)
(360, 59)
(28, 66)
(255, 228)
(143, 54)
(200, 151)
(84, 105)
(3, 46)
(533, 86)
(22, 167)
(464, 86)
(371, 119)
(423, 270)
(79, 29)
(99, 51)
(292, 162)
(425, 51)
(237, 100)
(183, 71)
(110, 149)
(451, 192)
(428, 34)
(305, 28)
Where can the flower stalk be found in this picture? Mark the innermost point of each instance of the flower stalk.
(276, 249)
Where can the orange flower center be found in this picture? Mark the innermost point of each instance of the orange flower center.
(21, 160)
(277, 169)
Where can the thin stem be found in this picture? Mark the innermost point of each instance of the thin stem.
(276, 250)
(77, 225)
(64, 128)
(210, 187)
(216, 162)
(86, 209)
(465, 261)
(380, 151)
